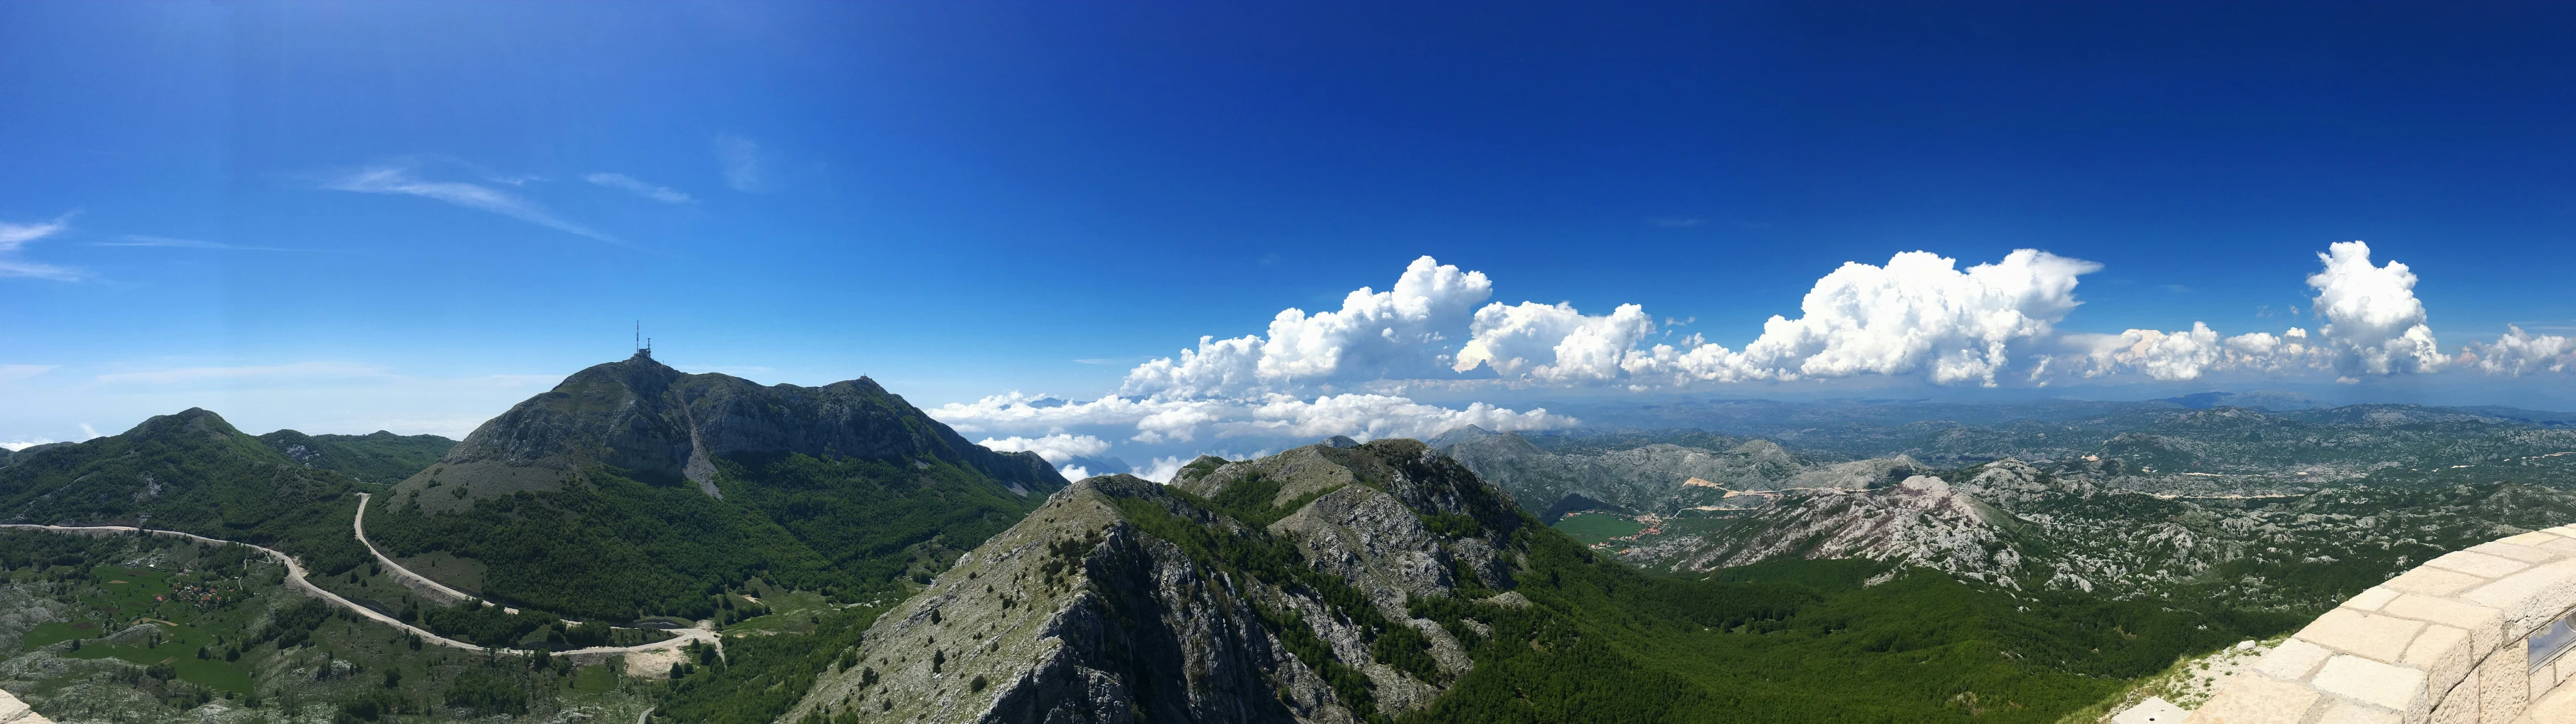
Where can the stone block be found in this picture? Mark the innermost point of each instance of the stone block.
(2528, 599)
(2564, 530)
(2433, 581)
(2478, 564)
(2460, 704)
(2557, 706)
(2485, 625)
(2293, 660)
(2501, 688)
(2345, 712)
(2530, 553)
(2445, 656)
(2257, 700)
(2372, 599)
(2562, 545)
(2381, 638)
(2392, 687)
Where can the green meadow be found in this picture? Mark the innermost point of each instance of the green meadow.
(1593, 528)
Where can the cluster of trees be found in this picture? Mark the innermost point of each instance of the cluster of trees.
(473, 622)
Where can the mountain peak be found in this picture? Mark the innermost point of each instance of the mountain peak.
(662, 426)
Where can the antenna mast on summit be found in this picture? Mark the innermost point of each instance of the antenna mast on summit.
(643, 347)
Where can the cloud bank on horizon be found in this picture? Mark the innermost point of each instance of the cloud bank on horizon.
(1919, 316)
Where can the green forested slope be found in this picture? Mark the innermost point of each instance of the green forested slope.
(194, 472)
(377, 457)
(620, 548)
(1805, 641)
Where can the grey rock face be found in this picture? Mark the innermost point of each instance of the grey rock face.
(663, 426)
(1081, 614)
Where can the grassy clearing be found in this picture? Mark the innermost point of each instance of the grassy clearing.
(595, 679)
(1593, 528)
(788, 611)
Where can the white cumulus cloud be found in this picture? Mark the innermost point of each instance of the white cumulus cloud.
(1553, 343)
(2375, 325)
(1400, 333)
(1055, 448)
(1917, 314)
(2518, 353)
(1169, 421)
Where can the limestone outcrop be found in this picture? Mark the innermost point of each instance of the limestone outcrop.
(1270, 590)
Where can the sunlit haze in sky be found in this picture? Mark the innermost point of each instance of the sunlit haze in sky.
(1150, 229)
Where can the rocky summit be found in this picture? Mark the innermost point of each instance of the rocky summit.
(1272, 590)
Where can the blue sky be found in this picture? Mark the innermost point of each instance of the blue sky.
(345, 217)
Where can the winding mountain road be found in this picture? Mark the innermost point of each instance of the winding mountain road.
(295, 576)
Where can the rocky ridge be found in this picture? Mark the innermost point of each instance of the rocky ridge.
(1271, 590)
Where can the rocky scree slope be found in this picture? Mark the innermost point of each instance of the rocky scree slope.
(1285, 589)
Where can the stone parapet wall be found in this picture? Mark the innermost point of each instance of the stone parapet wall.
(2444, 643)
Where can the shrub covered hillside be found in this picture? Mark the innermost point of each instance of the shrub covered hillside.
(377, 457)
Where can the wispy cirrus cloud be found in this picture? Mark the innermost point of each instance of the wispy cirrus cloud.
(404, 180)
(146, 240)
(298, 369)
(13, 373)
(639, 187)
(15, 235)
(740, 157)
